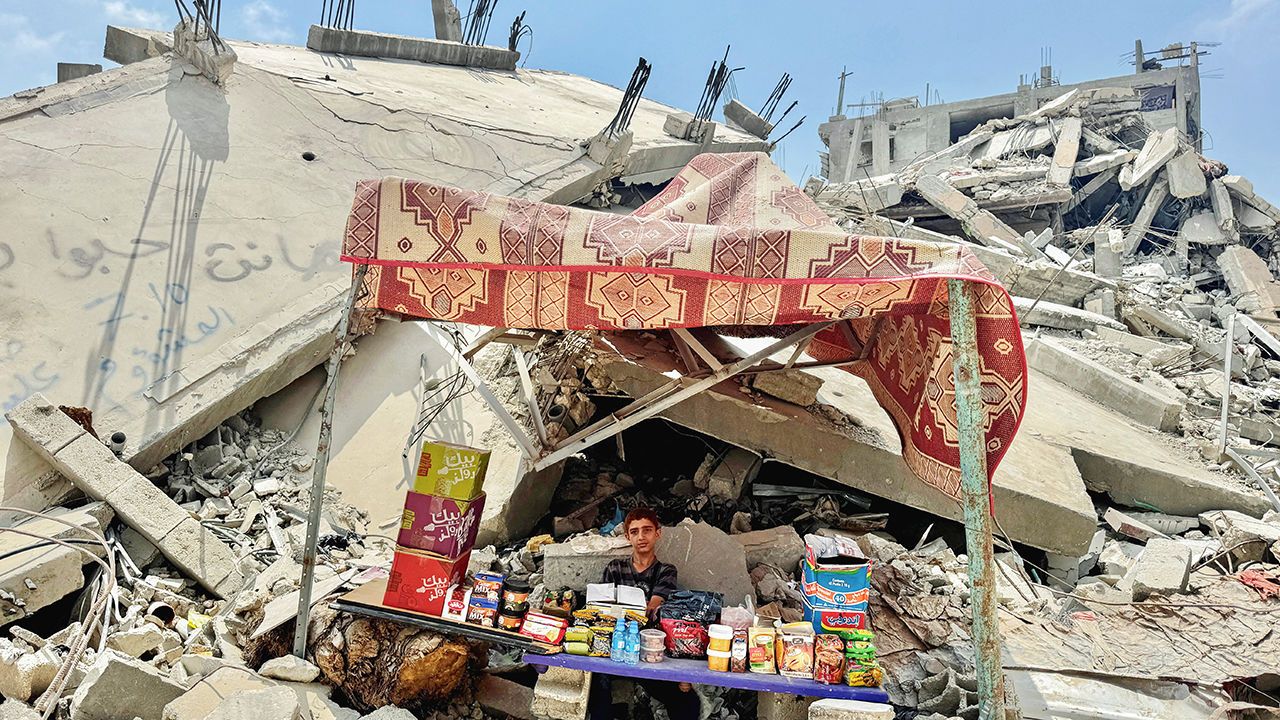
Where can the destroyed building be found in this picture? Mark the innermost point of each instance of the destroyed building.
(207, 282)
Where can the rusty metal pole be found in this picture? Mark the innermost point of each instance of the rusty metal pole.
(976, 498)
(321, 466)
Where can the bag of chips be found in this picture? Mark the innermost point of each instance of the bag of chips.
(828, 659)
(685, 638)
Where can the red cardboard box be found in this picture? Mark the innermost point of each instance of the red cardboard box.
(420, 580)
(440, 525)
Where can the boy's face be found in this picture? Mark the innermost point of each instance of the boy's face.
(643, 535)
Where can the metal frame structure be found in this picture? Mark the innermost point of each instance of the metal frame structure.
(975, 489)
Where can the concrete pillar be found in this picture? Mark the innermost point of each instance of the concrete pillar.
(880, 139)
(447, 19)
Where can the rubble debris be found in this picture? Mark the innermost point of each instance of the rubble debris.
(1160, 408)
(290, 668)
(794, 386)
(117, 686)
(1163, 569)
(1245, 538)
(33, 576)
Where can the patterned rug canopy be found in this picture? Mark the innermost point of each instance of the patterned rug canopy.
(729, 241)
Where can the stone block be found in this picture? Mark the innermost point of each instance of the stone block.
(1155, 407)
(75, 71)
(1249, 536)
(140, 550)
(200, 554)
(780, 547)
(1247, 275)
(23, 675)
(794, 386)
(271, 702)
(291, 668)
(145, 508)
(136, 642)
(746, 119)
(1162, 569)
(504, 697)
(1186, 179)
(208, 693)
(1128, 526)
(780, 706)
(1202, 228)
(91, 467)
(42, 425)
(130, 45)
(737, 469)
(561, 694)
(677, 124)
(1118, 557)
(833, 709)
(117, 686)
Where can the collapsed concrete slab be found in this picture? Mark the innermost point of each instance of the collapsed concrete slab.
(1186, 179)
(31, 579)
(1159, 149)
(1248, 276)
(1063, 317)
(780, 547)
(1159, 408)
(977, 223)
(116, 686)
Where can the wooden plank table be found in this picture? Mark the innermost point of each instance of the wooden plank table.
(696, 672)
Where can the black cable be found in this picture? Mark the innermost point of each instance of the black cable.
(45, 543)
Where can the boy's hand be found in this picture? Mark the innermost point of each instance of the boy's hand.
(654, 603)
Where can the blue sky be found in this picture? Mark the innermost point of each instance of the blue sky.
(961, 50)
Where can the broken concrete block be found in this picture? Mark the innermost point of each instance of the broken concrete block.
(505, 698)
(746, 119)
(14, 709)
(1118, 557)
(1159, 149)
(868, 194)
(731, 473)
(1155, 407)
(391, 712)
(1063, 317)
(136, 642)
(215, 63)
(1249, 536)
(559, 693)
(1142, 221)
(677, 124)
(1247, 275)
(794, 386)
(976, 222)
(116, 686)
(23, 675)
(1162, 569)
(34, 578)
(780, 706)
(291, 668)
(1127, 526)
(1202, 228)
(38, 422)
(834, 709)
(1243, 189)
(447, 20)
(780, 547)
(208, 693)
(272, 702)
(1186, 179)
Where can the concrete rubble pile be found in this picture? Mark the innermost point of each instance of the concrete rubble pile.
(172, 649)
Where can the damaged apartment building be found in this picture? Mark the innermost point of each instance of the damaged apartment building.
(163, 388)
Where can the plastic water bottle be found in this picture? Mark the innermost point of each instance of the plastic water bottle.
(618, 650)
(633, 643)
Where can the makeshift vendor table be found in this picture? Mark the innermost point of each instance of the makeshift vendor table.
(696, 672)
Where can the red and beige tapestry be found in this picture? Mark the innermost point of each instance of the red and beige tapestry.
(729, 241)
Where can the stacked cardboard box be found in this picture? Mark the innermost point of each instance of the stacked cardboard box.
(438, 528)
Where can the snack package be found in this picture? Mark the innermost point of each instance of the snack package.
(828, 659)
(482, 611)
(859, 674)
(685, 638)
(546, 628)
(456, 600)
(738, 651)
(601, 641)
(760, 649)
(795, 654)
(488, 586)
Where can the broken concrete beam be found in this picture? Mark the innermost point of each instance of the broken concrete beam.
(1066, 149)
(1186, 179)
(1243, 189)
(794, 386)
(1203, 228)
(1142, 221)
(1159, 148)
(1248, 276)
(745, 119)
(1159, 320)
(1247, 537)
(131, 45)
(868, 195)
(976, 222)
(780, 547)
(196, 47)
(1223, 212)
(677, 124)
(75, 71)
(1129, 526)
(31, 579)
(116, 686)
(1047, 314)
(1100, 144)
(139, 503)
(1157, 408)
(1103, 162)
(735, 470)
(1146, 347)
(38, 422)
(400, 47)
(1162, 569)
(1019, 140)
(447, 19)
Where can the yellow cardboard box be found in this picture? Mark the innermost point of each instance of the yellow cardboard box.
(452, 471)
